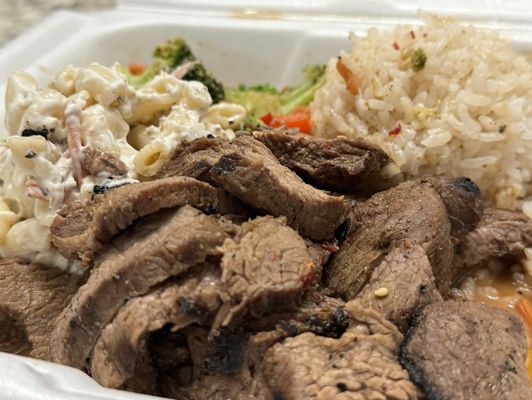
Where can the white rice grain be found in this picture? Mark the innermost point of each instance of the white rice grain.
(467, 112)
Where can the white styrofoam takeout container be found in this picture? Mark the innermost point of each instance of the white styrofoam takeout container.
(253, 41)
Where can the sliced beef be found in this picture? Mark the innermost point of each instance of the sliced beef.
(121, 357)
(31, 298)
(360, 364)
(81, 230)
(401, 284)
(196, 158)
(412, 212)
(97, 162)
(248, 170)
(338, 164)
(322, 315)
(461, 197)
(500, 233)
(228, 366)
(238, 354)
(467, 350)
(266, 265)
(219, 387)
(159, 246)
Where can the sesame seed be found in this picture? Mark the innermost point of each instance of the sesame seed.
(381, 292)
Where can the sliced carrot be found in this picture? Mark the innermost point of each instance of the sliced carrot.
(300, 121)
(350, 80)
(137, 69)
(524, 308)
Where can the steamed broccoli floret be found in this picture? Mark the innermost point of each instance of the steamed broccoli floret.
(199, 73)
(265, 99)
(170, 55)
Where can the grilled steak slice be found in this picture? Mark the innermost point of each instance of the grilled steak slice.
(406, 277)
(414, 212)
(248, 170)
(324, 316)
(224, 369)
(227, 367)
(121, 357)
(96, 162)
(31, 298)
(338, 164)
(500, 233)
(81, 230)
(461, 197)
(159, 246)
(360, 364)
(265, 265)
(219, 387)
(467, 350)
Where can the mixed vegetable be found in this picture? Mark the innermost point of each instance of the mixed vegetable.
(265, 104)
(288, 107)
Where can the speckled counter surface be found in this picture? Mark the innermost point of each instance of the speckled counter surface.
(18, 15)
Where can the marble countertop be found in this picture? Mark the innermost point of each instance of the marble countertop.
(19, 15)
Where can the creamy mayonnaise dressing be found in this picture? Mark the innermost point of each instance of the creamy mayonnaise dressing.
(39, 165)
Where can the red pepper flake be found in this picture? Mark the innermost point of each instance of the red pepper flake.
(308, 278)
(395, 131)
(267, 119)
(412, 34)
(329, 247)
(395, 46)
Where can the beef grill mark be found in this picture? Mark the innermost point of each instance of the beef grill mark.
(467, 350)
(81, 230)
(338, 164)
(240, 384)
(248, 170)
(160, 246)
(228, 352)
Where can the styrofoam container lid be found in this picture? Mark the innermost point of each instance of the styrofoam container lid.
(241, 42)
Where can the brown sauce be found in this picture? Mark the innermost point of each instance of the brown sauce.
(502, 284)
(499, 283)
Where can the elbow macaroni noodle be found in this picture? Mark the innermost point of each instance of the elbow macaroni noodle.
(227, 115)
(21, 89)
(151, 158)
(7, 219)
(140, 127)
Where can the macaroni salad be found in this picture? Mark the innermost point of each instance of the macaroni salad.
(41, 161)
